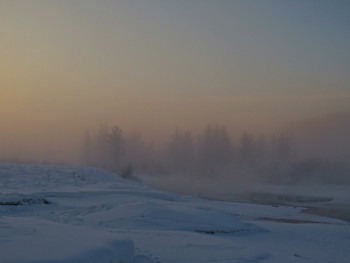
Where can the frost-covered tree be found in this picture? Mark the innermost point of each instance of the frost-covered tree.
(138, 153)
(104, 149)
(86, 149)
(215, 150)
(261, 149)
(116, 146)
(180, 152)
(247, 152)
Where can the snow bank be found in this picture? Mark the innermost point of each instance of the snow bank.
(24, 240)
(39, 178)
(86, 215)
(175, 216)
(73, 214)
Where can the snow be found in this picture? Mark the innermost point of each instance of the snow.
(60, 214)
(338, 194)
(26, 239)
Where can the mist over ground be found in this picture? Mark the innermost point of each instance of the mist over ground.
(215, 160)
(227, 92)
(174, 131)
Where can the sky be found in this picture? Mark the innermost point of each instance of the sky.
(153, 65)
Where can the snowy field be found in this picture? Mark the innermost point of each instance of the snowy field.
(83, 215)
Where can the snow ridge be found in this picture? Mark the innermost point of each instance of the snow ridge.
(53, 214)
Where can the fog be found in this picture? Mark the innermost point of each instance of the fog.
(231, 92)
(210, 161)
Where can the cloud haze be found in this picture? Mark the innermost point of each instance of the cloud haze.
(155, 65)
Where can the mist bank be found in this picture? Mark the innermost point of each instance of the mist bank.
(60, 140)
(325, 137)
(312, 151)
(213, 155)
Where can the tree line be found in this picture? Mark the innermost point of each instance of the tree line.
(213, 153)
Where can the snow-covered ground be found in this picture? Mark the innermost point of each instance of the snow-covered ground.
(70, 214)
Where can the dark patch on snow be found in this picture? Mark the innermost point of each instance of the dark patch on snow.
(25, 201)
(212, 232)
(276, 199)
(335, 211)
(290, 221)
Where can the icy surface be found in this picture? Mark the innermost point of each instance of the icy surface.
(71, 214)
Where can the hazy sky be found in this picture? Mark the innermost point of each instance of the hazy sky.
(152, 65)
